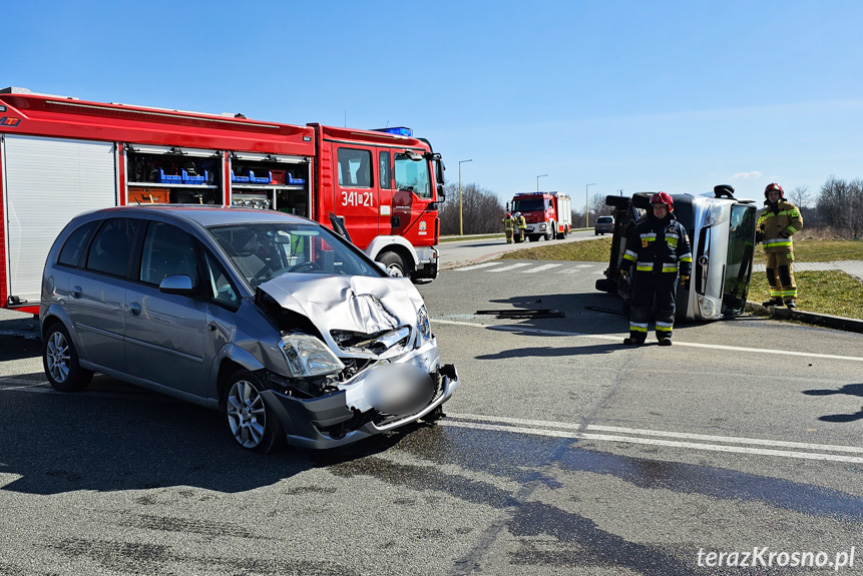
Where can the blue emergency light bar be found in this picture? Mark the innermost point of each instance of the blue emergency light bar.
(396, 131)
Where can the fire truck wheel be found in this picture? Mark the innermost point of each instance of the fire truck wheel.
(60, 360)
(393, 262)
(553, 233)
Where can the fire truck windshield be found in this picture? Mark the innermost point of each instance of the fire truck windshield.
(413, 175)
(533, 205)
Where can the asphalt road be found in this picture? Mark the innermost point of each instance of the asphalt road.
(563, 452)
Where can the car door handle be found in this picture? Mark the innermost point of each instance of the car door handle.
(212, 326)
(76, 292)
(135, 308)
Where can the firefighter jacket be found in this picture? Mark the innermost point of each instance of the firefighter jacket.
(658, 246)
(522, 222)
(508, 224)
(777, 223)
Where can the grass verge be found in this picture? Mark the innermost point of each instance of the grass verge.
(830, 292)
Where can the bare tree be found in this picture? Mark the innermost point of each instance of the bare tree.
(799, 196)
(481, 211)
(840, 205)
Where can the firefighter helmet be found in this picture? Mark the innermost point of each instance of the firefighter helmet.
(663, 198)
(774, 186)
(508, 215)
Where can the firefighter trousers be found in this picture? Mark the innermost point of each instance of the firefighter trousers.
(780, 276)
(649, 288)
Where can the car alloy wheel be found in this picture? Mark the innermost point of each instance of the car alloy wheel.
(251, 422)
(57, 357)
(60, 361)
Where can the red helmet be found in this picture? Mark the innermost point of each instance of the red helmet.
(663, 198)
(774, 186)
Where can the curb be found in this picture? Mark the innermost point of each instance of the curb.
(825, 320)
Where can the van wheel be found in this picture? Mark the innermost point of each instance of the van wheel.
(394, 264)
(60, 360)
(250, 420)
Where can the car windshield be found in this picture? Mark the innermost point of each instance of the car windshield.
(261, 252)
(605, 220)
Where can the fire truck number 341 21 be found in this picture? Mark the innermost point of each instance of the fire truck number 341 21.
(358, 199)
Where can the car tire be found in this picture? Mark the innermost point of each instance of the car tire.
(394, 264)
(250, 421)
(533, 238)
(60, 360)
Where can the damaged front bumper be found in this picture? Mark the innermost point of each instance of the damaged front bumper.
(347, 416)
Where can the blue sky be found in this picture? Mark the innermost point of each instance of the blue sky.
(661, 95)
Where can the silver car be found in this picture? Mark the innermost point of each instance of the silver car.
(289, 330)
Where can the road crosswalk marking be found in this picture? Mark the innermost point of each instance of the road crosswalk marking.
(529, 267)
(542, 268)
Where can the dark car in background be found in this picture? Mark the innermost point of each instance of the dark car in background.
(291, 331)
(604, 225)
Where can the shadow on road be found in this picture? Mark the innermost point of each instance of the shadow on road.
(850, 390)
(115, 436)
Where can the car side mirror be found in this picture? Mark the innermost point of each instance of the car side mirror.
(179, 284)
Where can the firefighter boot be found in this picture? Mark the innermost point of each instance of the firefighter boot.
(791, 303)
(664, 339)
(773, 302)
(635, 339)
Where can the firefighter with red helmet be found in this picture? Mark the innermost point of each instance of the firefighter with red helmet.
(778, 221)
(508, 227)
(660, 250)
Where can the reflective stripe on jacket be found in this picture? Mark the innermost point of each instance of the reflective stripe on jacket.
(778, 224)
(658, 246)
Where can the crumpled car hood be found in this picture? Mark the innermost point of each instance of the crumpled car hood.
(351, 303)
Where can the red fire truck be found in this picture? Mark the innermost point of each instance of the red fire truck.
(547, 214)
(62, 156)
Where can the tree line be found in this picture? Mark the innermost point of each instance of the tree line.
(838, 209)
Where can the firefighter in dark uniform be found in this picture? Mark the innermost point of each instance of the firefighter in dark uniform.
(660, 250)
(778, 221)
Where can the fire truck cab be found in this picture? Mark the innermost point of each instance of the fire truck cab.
(547, 214)
(721, 229)
(60, 156)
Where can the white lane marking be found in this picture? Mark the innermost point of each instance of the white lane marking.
(542, 268)
(729, 439)
(526, 428)
(617, 338)
(659, 433)
(510, 267)
(477, 266)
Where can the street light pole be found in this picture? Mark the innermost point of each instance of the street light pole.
(537, 180)
(460, 226)
(587, 206)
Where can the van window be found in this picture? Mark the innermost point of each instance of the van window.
(74, 247)
(168, 251)
(112, 248)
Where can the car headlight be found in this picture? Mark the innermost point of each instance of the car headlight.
(713, 216)
(308, 356)
(423, 324)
